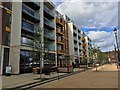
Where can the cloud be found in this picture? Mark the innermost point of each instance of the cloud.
(104, 40)
(98, 14)
(96, 17)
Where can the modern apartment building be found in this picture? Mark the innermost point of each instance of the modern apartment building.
(49, 32)
(88, 49)
(75, 42)
(112, 56)
(18, 36)
(66, 38)
(62, 42)
(60, 33)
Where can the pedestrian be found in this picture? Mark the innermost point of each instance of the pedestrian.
(73, 65)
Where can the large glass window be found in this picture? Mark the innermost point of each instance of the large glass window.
(28, 59)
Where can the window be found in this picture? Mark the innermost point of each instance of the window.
(26, 41)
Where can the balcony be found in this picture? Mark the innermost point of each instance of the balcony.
(59, 31)
(75, 46)
(60, 41)
(48, 13)
(59, 21)
(80, 54)
(83, 44)
(49, 47)
(34, 5)
(49, 35)
(60, 51)
(75, 31)
(83, 39)
(84, 50)
(30, 14)
(28, 27)
(76, 53)
(80, 48)
(27, 42)
(48, 24)
(75, 38)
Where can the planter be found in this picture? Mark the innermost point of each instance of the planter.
(65, 69)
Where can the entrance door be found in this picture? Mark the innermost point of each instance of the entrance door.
(5, 59)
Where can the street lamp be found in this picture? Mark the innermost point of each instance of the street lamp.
(115, 31)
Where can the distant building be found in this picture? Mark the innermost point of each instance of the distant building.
(112, 56)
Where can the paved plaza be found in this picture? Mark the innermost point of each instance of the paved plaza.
(105, 77)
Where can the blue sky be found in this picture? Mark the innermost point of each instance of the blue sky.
(95, 17)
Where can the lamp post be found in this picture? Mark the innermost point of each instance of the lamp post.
(115, 31)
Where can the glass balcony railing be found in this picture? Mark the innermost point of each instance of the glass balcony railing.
(28, 26)
(76, 53)
(30, 12)
(37, 3)
(49, 35)
(27, 42)
(75, 45)
(48, 22)
(75, 31)
(80, 54)
(48, 11)
(49, 47)
(75, 38)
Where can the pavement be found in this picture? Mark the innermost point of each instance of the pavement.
(22, 79)
(105, 77)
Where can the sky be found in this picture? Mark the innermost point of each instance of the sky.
(95, 17)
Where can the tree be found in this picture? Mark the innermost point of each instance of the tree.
(101, 56)
(38, 47)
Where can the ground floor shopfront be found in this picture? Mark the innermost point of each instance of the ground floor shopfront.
(23, 60)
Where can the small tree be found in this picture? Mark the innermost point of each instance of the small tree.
(38, 47)
(101, 56)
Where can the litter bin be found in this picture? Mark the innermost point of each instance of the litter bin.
(8, 71)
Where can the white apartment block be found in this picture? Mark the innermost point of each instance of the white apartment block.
(88, 47)
(75, 42)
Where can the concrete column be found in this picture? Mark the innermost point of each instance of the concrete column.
(41, 13)
(55, 39)
(1, 60)
(71, 41)
(15, 37)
